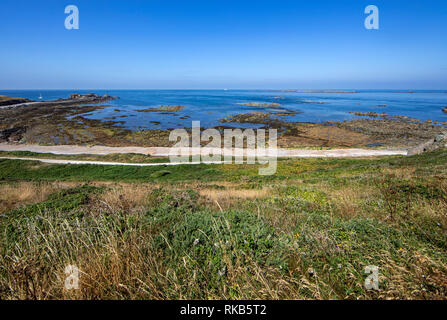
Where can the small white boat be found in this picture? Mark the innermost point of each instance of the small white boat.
(40, 97)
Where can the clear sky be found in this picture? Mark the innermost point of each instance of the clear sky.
(195, 44)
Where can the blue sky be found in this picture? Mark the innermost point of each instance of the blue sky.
(194, 44)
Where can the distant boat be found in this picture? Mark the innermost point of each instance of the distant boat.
(40, 97)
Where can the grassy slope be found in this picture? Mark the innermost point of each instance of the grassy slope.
(306, 233)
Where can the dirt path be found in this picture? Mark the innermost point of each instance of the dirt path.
(165, 152)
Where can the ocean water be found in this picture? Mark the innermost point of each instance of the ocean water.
(208, 106)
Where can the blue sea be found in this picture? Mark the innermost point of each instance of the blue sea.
(208, 106)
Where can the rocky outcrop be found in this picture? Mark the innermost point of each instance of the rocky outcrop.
(90, 96)
(436, 143)
(163, 109)
(74, 99)
(369, 114)
(7, 101)
(12, 135)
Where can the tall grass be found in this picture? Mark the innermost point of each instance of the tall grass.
(309, 236)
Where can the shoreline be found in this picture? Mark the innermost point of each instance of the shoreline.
(74, 99)
(63, 122)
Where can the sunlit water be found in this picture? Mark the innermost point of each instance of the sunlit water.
(208, 106)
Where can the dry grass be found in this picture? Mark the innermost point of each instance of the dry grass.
(128, 197)
(16, 195)
(226, 198)
(414, 279)
(126, 265)
(125, 197)
(19, 194)
(213, 194)
(348, 200)
(402, 173)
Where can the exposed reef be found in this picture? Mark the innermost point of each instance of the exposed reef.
(163, 109)
(74, 99)
(390, 131)
(369, 114)
(256, 118)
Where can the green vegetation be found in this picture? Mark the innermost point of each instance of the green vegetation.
(224, 232)
(37, 171)
(118, 157)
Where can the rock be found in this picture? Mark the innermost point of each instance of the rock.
(12, 134)
(222, 272)
(369, 114)
(163, 108)
(424, 147)
(311, 272)
(444, 109)
(75, 96)
(440, 137)
(430, 145)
